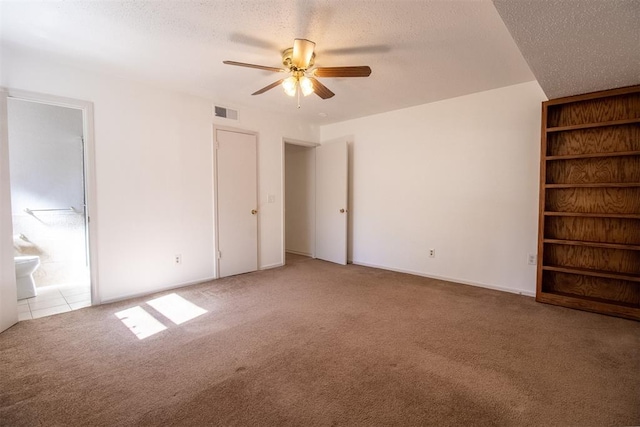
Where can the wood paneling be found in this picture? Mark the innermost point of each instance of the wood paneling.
(602, 230)
(599, 140)
(594, 200)
(595, 170)
(595, 111)
(594, 287)
(589, 233)
(596, 305)
(612, 260)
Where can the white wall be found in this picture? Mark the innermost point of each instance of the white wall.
(300, 219)
(459, 176)
(154, 174)
(45, 149)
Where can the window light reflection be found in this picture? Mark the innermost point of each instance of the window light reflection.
(141, 323)
(176, 308)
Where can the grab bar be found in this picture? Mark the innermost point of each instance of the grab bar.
(31, 211)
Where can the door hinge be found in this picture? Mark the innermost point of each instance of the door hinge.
(219, 254)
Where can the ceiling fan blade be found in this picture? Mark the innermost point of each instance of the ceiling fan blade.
(321, 90)
(259, 67)
(359, 71)
(302, 53)
(266, 88)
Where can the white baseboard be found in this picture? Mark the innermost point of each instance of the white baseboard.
(299, 253)
(449, 279)
(364, 264)
(155, 291)
(276, 265)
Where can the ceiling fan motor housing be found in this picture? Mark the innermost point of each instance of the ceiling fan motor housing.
(287, 59)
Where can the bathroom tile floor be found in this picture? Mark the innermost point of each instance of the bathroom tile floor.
(53, 300)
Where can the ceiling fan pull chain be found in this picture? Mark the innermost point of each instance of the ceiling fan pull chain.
(298, 92)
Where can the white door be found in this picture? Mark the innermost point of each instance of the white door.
(237, 201)
(8, 291)
(331, 202)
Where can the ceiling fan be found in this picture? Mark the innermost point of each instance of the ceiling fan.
(298, 61)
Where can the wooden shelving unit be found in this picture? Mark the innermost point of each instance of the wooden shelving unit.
(589, 230)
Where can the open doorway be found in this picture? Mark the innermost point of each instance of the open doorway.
(299, 200)
(48, 179)
(315, 181)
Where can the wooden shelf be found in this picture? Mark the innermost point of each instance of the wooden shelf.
(593, 95)
(580, 267)
(593, 244)
(593, 299)
(593, 273)
(596, 185)
(593, 155)
(593, 125)
(593, 215)
(596, 305)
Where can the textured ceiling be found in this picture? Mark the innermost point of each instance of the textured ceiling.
(420, 51)
(577, 46)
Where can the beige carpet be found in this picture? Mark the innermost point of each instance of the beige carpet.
(314, 343)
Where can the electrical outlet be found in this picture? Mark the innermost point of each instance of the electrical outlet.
(532, 259)
(432, 253)
(177, 260)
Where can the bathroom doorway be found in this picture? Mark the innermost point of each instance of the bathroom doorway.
(48, 178)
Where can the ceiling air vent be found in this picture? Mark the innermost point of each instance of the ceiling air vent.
(225, 113)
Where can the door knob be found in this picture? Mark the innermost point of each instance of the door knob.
(341, 210)
(253, 211)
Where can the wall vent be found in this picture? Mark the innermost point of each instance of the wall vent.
(225, 113)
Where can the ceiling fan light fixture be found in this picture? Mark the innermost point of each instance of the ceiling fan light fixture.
(297, 61)
(306, 86)
(290, 85)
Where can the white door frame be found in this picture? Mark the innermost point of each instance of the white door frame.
(91, 217)
(216, 225)
(8, 290)
(285, 140)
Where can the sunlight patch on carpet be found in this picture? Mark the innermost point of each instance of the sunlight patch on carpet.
(176, 308)
(141, 323)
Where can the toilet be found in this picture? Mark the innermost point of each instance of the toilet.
(25, 266)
